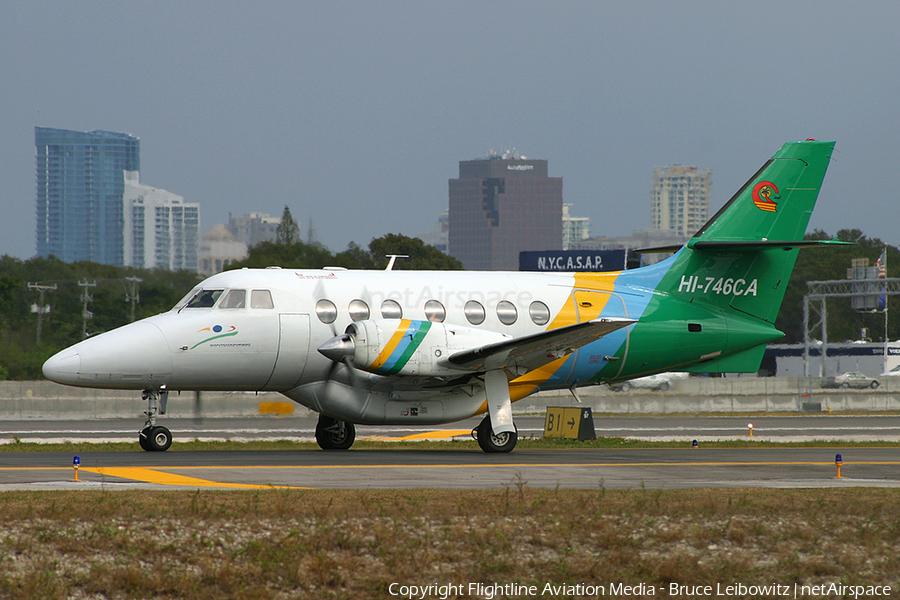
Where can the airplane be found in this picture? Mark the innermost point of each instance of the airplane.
(427, 347)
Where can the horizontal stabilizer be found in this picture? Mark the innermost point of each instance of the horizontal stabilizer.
(762, 244)
(533, 351)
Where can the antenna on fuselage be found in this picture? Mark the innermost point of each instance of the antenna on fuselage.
(393, 258)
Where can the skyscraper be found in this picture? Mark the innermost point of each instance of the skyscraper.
(500, 206)
(679, 199)
(80, 186)
(161, 229)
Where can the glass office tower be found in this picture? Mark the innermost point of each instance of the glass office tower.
(80, 187)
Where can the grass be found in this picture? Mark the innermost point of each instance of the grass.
(356, 543)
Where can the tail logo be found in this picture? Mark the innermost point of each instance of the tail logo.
(764, 196)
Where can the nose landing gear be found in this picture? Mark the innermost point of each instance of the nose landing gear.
(153, 437)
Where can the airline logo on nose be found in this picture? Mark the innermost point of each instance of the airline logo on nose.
(764, 196)
(219, 331)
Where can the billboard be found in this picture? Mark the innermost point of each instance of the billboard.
(572, 260)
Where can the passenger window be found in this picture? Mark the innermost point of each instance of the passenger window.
(261, 299)
(474, 312)
(539, 312)
(506, 312)
(435, 312)
(204, 299)
(359, 310)
(234, 299)
(326, 311)
(390, 309)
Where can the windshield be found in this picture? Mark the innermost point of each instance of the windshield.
(204, 299)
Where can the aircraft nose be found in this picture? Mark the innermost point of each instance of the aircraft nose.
(131, 357)
(63, 367)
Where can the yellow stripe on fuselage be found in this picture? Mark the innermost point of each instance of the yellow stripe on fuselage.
(392, 344)
(595, 287)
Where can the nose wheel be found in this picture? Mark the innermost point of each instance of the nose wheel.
(153, 437)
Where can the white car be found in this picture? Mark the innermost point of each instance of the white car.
(658, 382)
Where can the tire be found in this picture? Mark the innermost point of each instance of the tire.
(332, 434)
(144, 438)
(845, 385)
(873, 385)
(493, 443)
(664, 386)
(159, 439)
(625, 386)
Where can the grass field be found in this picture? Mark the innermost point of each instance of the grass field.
(356, 544)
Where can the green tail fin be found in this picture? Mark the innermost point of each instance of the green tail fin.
(776, 203)
(742, 259)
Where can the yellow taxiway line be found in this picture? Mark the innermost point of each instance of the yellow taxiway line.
(153, 476)
(429, 435)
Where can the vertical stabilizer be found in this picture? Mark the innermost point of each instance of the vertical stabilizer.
(776, 203)
(742, 259)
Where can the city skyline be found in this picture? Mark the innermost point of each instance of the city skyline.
(326, 109)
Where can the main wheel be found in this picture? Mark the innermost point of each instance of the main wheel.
(495, 442)
(158, 439)
(332, 434)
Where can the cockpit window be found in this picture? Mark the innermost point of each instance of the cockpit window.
(180, 304)
(261, 299)
(204, 299)
(234, 299)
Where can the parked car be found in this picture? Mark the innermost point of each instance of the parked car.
(850, 379)
(658, 382)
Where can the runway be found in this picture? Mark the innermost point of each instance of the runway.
(795, 427)
(453, 468)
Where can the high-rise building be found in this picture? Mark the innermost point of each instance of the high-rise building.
(161, 229)
(679, 199)
(218, 249)
(500, 206)
(80, 187)
(439, 235)
(254, 227)
(575, 229)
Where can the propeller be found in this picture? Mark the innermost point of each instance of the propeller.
(340, 350)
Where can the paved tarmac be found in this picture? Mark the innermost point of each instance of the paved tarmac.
(797, 427)
(451, 468)
(371, 469)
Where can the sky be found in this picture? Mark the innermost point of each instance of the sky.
(356, 114)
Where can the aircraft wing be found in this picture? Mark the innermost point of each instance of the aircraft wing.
(533, 351)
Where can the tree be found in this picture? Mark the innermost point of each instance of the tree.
(287, 232)
(421, 255)
(830, 263)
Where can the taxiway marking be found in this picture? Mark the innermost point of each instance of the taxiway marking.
(153, 476)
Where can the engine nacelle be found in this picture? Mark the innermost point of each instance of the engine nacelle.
(408, 347)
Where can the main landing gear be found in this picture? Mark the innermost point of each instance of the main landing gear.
(153, 437)
(332, 434)
(494, 442)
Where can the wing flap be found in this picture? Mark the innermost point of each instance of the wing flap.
(533, 351)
